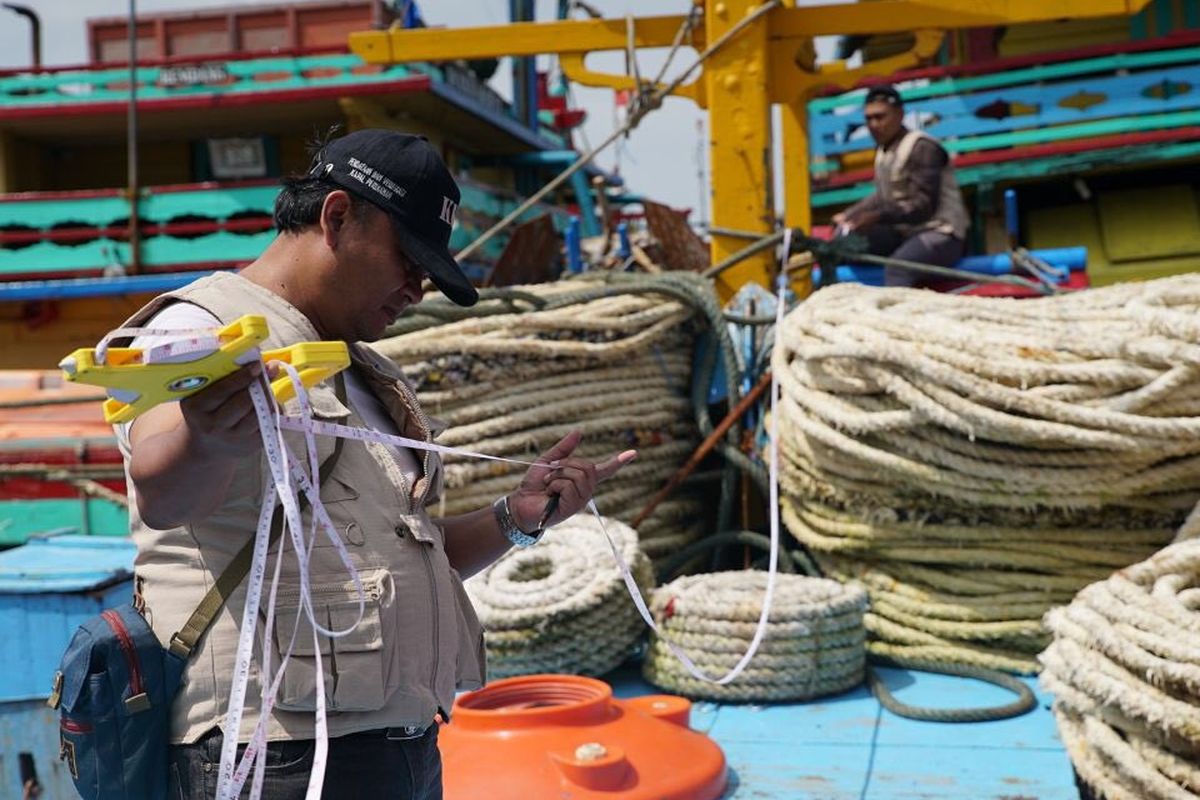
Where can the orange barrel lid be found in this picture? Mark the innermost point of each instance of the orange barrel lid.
(565, 736)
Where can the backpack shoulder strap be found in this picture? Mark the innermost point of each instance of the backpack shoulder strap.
(184, 640)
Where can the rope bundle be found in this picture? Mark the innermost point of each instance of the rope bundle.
(813, 645)
(976, 461)
(1124, 667)
(561, 606)
(610, 358)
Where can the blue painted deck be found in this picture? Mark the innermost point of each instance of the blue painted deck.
(847, 747)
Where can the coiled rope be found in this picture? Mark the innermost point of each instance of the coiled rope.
(609, 355)
(813, 645)
(976, 461)
(562, 606)
(1124, 667)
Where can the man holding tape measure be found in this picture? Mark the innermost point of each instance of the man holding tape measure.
(357, 236)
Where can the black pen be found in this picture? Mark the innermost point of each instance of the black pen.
(551, 507)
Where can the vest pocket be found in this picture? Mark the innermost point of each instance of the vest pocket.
(357, 665)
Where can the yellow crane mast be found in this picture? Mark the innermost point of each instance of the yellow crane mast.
(769, 60)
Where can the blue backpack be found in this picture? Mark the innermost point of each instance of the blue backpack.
(116, 683)
(114, 690)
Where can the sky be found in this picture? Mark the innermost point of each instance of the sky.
(662, 159)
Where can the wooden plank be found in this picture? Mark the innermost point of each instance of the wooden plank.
(1025, 169)
(846, 747)
(1048, 72)
(958, 121)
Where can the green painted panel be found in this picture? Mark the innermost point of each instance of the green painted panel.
(21, 518)
(45, 213)
(1082, 130)
(92, 86)
(1033, 168)
(220, 203)
(219, 246)
(52, 257)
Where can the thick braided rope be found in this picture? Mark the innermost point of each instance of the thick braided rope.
(561, 606)
(813, 645)
(1124, 666)
(976, 461)
(611, 358)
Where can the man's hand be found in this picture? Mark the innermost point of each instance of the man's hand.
(220, 418)
(183, 455)
(859, 221)
(573, 480)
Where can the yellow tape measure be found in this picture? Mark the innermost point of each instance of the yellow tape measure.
(135, 386)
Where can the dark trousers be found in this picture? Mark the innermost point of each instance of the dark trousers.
(360, 765)
(927, 247)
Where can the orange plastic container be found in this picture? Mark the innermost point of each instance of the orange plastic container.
(567, 738)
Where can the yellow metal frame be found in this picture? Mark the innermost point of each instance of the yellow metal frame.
(770, 62)
(135, 387)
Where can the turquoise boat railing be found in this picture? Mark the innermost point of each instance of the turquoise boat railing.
(86, 233)
(1128, 107)
(186, 227)
(211, 75)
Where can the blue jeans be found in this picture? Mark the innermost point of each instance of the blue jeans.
(370, 764)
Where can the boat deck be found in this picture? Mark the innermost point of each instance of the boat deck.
(847, 747)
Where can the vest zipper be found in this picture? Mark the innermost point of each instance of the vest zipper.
(137, 700)
(437, 649)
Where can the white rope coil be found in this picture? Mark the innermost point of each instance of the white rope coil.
(951, 451)
(561, 606)
(814, 643)
(1124, 667)
(615, 365)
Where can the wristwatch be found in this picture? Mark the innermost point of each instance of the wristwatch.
(508, 525)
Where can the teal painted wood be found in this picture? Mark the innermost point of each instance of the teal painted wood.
(157, 251)
(41, 214)
(20, 519)
(846, 747)
(1191, 14)
(1048, 72)
(1036, 168)
(218, 202)
(248, 75)
(1083, 130)
(213, 247)
(960, 121)
(481, 207)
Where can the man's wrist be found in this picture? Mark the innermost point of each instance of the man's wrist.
(510, 527)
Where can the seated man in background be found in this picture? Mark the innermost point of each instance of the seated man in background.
(916, 212)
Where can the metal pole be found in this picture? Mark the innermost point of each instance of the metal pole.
(35, 31)
(131, 148)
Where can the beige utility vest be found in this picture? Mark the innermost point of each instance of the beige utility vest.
(893, 183)
(419, 639)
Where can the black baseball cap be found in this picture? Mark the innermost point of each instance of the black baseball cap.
(883, 93)
(404, 176)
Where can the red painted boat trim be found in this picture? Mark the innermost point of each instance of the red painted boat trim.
(209, 58)
(89, 194)
(40, 489)
(415, 83)
(1108, 142)
(95, 272)
(121, 232)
